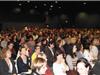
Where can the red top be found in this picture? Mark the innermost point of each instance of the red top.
(48, 71)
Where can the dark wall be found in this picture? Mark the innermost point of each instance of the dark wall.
(0, 27)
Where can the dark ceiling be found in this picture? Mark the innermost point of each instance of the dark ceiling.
(36, 11)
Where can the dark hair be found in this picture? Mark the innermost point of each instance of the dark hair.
(51, 42)
(86, 46)
(85, 61)
(58, 52)
(9, 43)
(79, 46)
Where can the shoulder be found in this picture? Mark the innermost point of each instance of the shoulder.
(19, 59)
(2, 61)
(55, 64)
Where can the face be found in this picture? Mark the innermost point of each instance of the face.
(81, 69)
(52, 45)
(74, 49)
(8, 54)
(31, 39)
(44, 42)
(39, 43)
(24, 51)
(43, 69)
(60, 57)
(37, 50)
(27, 53)
(10, 45)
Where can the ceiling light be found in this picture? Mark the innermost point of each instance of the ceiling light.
(51, 6)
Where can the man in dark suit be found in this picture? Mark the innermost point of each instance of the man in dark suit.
(49, 51)
(96, 67)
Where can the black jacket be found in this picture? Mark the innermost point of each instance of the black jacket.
(4, 69)
(96, 68)
(50, 57)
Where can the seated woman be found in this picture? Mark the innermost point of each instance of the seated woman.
(59, 65)
(39, 66)
(83, 67)
(48, 71)
(23, 62)
(7, 66)
(36, 52)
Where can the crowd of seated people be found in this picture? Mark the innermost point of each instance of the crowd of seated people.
(46, 51)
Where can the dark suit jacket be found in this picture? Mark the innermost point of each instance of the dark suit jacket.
(4, 69)
(50, 57)
(22, 67)
(96, 68)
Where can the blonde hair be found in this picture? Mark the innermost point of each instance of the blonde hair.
(42, 55)
(37, 63)
(4, 53)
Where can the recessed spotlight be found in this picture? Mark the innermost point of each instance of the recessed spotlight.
(46, 13)
(32, 11)
(35, 6)
(59, 7)
(50, 9)
(84, 3)
(17, 10)
(51, 6)
(66, 21)
(44, 4)
(47, 26)
(20, 4)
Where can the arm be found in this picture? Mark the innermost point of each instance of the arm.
(69, 62)
(65, 66)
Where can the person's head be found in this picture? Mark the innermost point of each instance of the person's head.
(42, 55)
(44, 42)
(24, 51)
(38, 42)
(39, 65)
(31, 38)
(79, 47)
(95, 41)
(58, 56)
(6, 53)
(51, 44)
(10, 45)
(37, 49)
(25, 45)
(83, 66)
(60, 42)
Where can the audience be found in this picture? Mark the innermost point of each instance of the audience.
(26, 46)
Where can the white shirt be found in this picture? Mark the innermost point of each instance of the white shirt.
(94, 52)
(69, 61)
(87, 55)
(58, 69)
